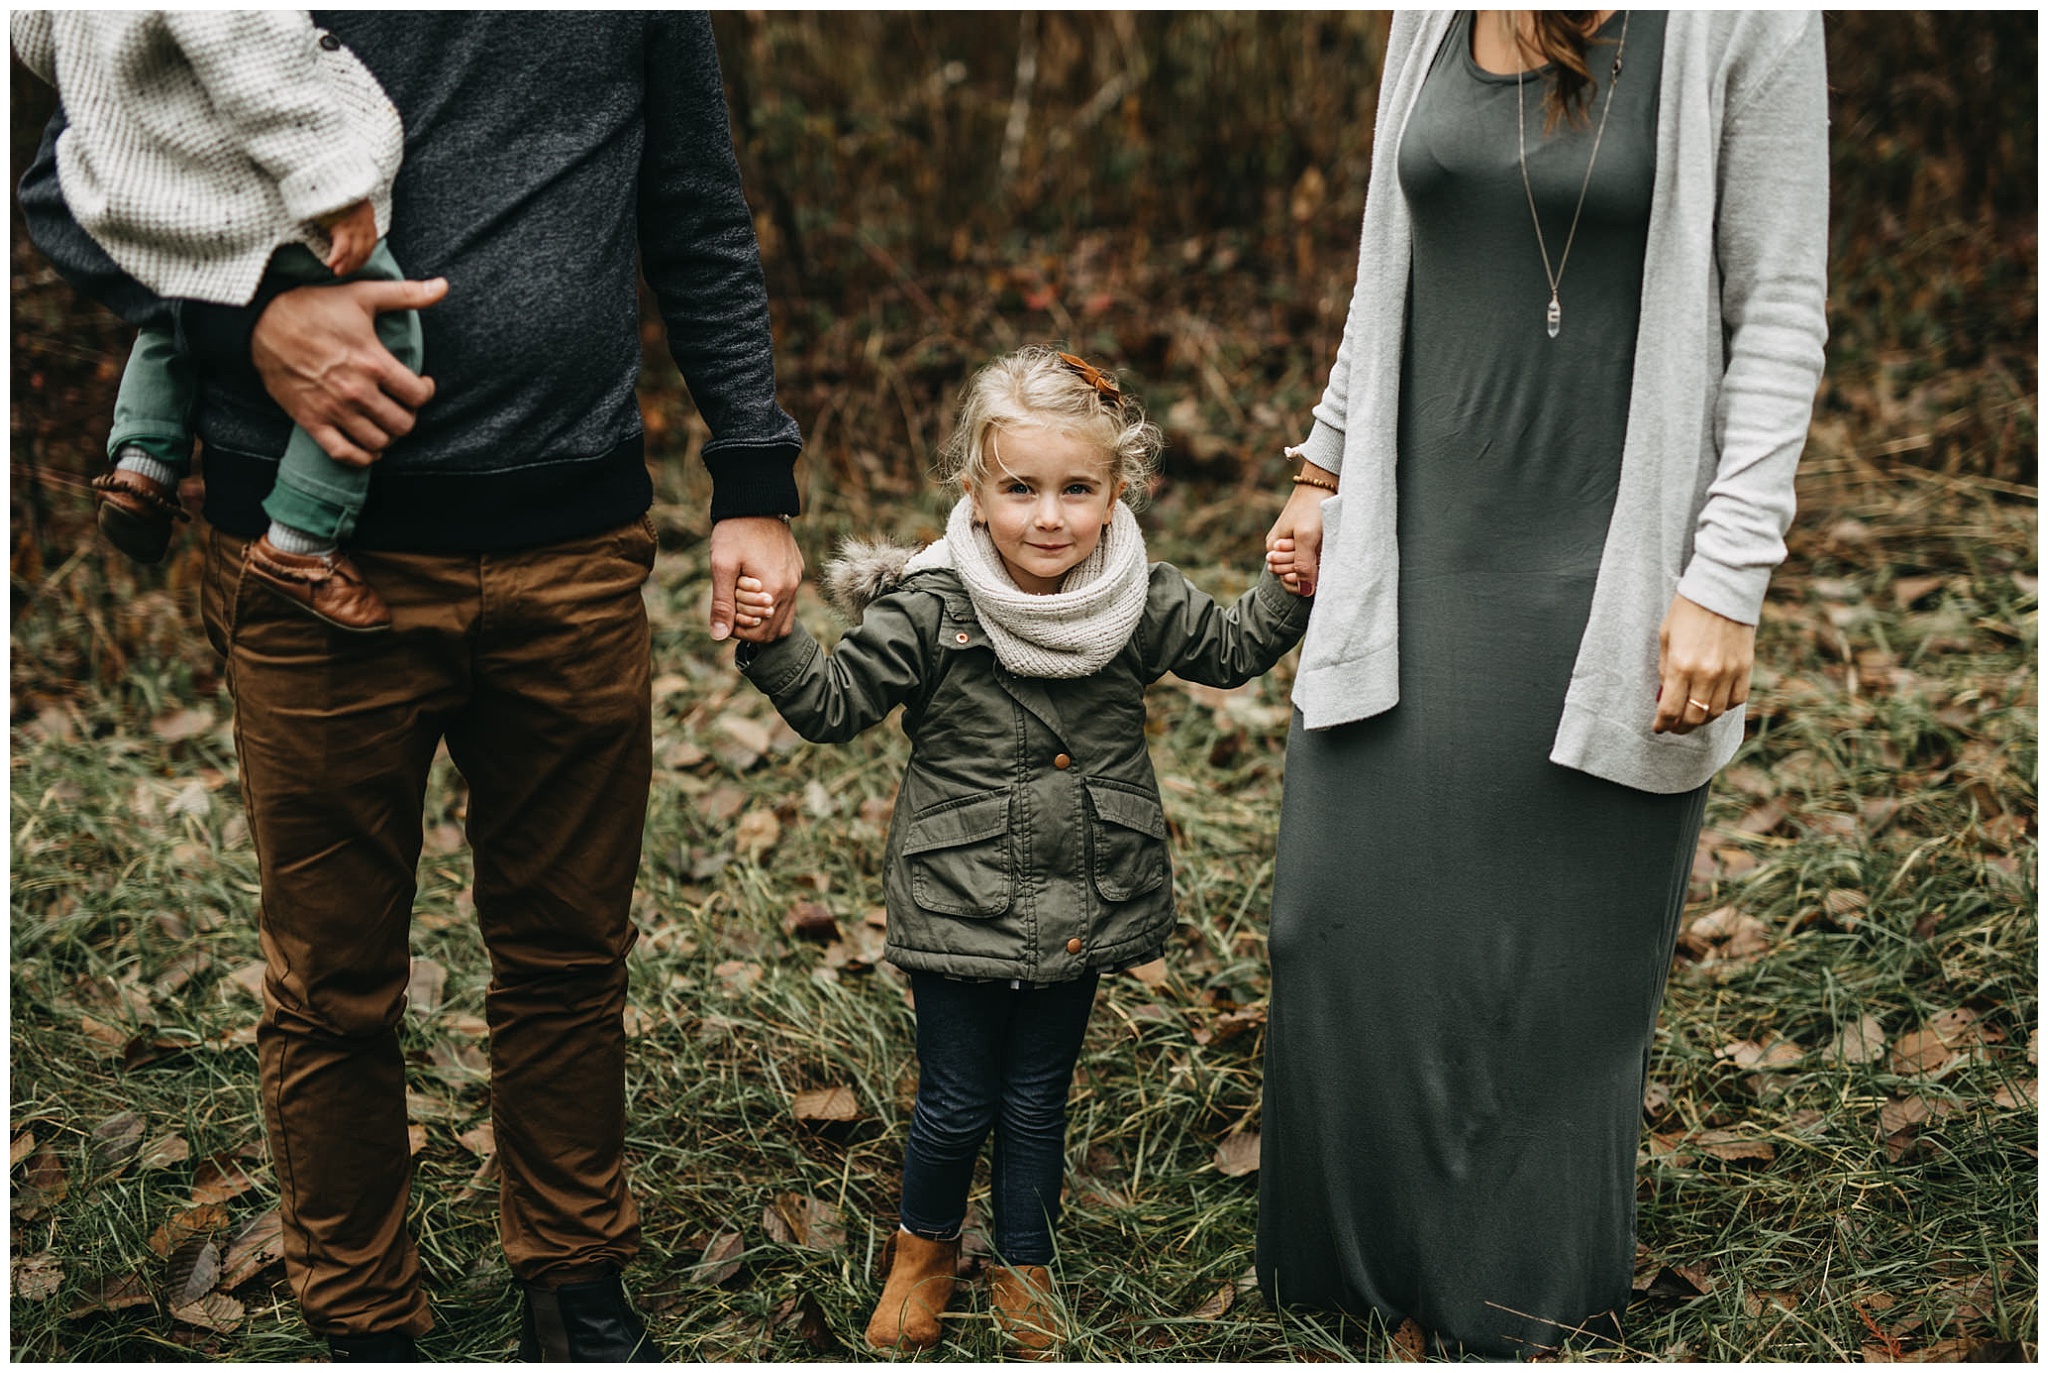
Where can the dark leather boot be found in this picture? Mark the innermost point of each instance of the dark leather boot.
(324, 585)
(385, 1346)
(137, 513)
(583, 1322)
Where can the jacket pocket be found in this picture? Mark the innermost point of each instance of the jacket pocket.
(958, 854)
(1129, 832)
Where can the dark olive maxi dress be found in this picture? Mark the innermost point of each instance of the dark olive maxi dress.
(1469, 941)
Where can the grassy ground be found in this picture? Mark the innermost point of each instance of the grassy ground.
(1839, 1154)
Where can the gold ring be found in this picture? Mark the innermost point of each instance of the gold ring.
(1701, 704)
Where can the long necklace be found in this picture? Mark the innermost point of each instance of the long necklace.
(1553, 318)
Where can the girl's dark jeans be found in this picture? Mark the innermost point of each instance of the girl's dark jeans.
(992, 1055)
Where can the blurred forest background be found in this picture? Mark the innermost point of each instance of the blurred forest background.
(1839, 1157)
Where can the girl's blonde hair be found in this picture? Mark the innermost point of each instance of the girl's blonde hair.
(1033, 386)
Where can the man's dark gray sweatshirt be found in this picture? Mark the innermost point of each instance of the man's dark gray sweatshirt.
(542, 148)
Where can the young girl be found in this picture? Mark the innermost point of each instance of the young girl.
(197, 145)
(1027, 855)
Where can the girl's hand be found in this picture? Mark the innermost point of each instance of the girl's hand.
(1294, 546)
(351, 235)
(1703, 664)
(753, 606)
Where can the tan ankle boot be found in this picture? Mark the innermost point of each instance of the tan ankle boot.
(920, 1284)
(1021, 1301)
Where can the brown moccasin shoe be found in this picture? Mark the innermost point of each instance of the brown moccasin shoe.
(137, 512)
(324, 585)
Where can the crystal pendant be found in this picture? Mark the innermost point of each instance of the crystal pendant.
(1553, 317)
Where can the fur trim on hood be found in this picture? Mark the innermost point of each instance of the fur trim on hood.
(863, 573)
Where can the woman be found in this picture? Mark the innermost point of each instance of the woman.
(1542, 497)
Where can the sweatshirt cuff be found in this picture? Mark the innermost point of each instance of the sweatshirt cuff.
(335, 182)
(1734, 593)
(752, 479)
(1324, 447)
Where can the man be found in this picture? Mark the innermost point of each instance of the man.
(506, 528)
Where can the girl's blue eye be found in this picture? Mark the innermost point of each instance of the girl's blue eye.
(1080, 489)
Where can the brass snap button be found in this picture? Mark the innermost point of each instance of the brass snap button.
(1062, 762)
(1073, 946)
(961, 637)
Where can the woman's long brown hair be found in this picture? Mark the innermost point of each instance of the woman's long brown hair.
(1562, 38)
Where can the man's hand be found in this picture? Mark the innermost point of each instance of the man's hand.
(1703, 663)
(317, 350)
(761, 549)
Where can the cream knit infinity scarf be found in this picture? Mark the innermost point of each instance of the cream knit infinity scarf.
(1071, 632)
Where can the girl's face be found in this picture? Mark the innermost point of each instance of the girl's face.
(1046, 499)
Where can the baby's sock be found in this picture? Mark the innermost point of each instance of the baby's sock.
(138, 461)
(286, 539)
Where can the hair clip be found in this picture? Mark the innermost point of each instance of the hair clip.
(1091, 374)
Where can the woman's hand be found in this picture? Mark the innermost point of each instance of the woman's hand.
(1703, 663)
(1294, 546)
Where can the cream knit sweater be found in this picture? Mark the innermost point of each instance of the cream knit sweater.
(199, 141)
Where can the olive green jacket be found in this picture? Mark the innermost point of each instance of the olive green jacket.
(1028, 841)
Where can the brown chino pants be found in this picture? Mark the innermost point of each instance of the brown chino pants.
(534, 667)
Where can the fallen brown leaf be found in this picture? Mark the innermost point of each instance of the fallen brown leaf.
(38, 1278)
(1759, 1300)
(737, 977)
(112, 1292)
(1152, 974)
(1860, 1042)
(182, 724)
(810, 920)
(484, 1181)
(1909, 591)
(1218, 1303)
(1767, 1054)
(2014, 1095)
(102, 1040)
(1238, 1154)
(425, 987)
(792, 1218)
(757, 832)
(480, 1140)
(197, 1220)
(216, 1311)
(1410, 1344)
(43, 1184)
(1731, 1147)
(721, 1259)
(255, 1246)
(220, 1178)
(195, 1268)
(827, 1104)
(415, 1138)
(247, 979)
(116, 1139)
(24, 1145)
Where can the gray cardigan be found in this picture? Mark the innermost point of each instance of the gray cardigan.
(1728, 356)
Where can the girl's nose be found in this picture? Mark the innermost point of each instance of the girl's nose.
(1046, 514)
